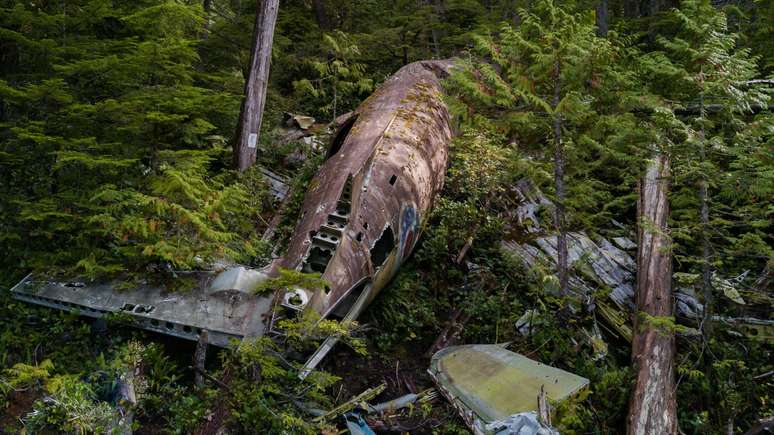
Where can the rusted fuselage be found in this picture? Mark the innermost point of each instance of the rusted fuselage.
(363, 211)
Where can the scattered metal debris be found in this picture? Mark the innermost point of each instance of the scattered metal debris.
(524, 423)
(404, 401)
(754, 329)
(356, 424)
(360, 401)
(278, 185)
(600, 264)
(301, 121)
(527, 321)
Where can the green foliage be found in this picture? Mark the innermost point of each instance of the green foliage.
(307, 331)
(289, 278)
(262, 386)
(510, 87)
(701, 68)
(341, 81)
(71, 408)
(107, 164)
(405, 313)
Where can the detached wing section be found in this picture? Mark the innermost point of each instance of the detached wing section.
(222, 304)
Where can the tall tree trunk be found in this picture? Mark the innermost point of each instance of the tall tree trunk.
(321, 15)
(207, 6)
(435, 33)
(561, 231)
(653, 408)
(436, 45)
(632, 8)
(706, 249)
(602, 18)
(251, 114)
(653, 7)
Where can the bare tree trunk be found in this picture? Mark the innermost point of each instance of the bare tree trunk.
(653, 7)
(451, 333)
(653, 408)
(207, 6)
(439, 11)
(706, 277)
(251, 114)
(561, 231)
(321, 15)
(602, 18)
(632, 8)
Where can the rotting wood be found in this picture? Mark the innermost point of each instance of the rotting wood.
(653, 408)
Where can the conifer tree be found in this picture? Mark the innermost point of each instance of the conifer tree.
(106, 160)
(341, 78)
(706, 76)
(541, 78)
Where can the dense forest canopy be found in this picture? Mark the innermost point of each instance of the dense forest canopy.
(117, 120)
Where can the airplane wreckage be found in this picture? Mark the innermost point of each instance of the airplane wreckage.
(360, 220)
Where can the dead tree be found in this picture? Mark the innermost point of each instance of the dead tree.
(251, 114)
(653, 408)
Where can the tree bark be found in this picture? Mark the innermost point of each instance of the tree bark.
(632, 8)
(653, 7)
(251, 114)
(653, 408)
(602, 18)
(321, 15)
(207, 7)
(561, 231)
(706, 274)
